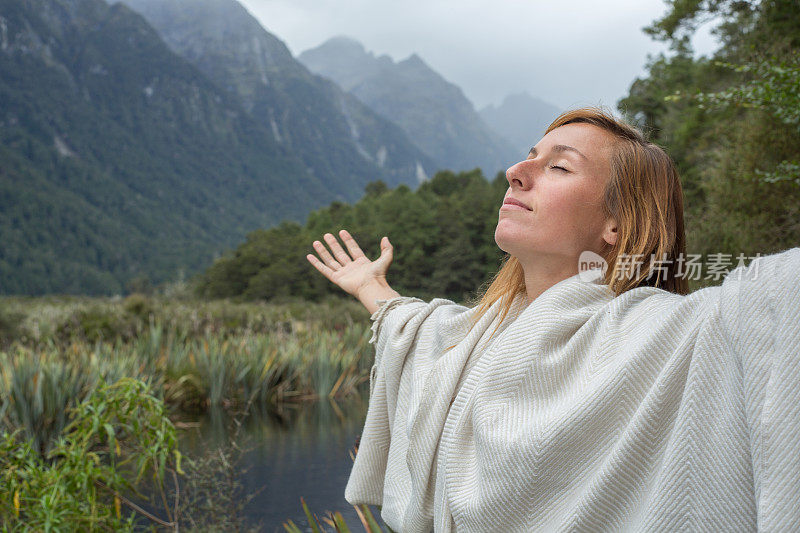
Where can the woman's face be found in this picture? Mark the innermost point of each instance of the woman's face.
(562, 183)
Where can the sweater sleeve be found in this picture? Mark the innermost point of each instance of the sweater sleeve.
(410, 336)
(760, 311)
(378, 318)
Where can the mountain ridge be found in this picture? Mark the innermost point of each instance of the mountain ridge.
(434, 112)
(520, 118)
(119, 159)
(340, 140)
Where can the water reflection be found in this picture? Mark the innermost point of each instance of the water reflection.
(301, 451)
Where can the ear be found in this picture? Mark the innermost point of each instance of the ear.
(610, 232)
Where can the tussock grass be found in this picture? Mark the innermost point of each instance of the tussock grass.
(193, 354)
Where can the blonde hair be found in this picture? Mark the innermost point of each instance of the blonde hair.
(643, 195)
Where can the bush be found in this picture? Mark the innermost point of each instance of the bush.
(119, 436)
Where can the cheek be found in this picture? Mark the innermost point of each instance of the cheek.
(566, 202)
(577, 213)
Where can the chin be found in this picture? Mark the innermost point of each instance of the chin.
(505, 241)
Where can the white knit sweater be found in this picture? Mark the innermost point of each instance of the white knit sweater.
(648, 411)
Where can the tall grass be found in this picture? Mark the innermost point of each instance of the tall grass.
(193, 355)
(68, 318)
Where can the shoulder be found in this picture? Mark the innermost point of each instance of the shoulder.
(773, 278)
(650, 311)
(765, 293)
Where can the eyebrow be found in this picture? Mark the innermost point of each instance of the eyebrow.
(558, 149)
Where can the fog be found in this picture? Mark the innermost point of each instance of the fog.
(567, 53)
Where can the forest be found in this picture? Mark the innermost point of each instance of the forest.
(443, 231)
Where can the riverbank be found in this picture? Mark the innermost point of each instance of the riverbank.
(206, 361)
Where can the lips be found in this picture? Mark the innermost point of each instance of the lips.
(514, 201)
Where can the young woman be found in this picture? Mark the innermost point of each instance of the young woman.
(575, 399)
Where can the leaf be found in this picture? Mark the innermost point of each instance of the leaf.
(370, 524)
(178, 458)
(311, 521)
(341, 525)
(290, 527)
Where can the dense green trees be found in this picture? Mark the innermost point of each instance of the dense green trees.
(119, 159)
(122, 161)
(443, 234)
(731, 122)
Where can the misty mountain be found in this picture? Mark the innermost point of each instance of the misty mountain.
(521, 119)
(433, 112)
(340, 140)
(119, 159)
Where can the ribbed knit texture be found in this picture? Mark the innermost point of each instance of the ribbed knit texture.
(585, 412)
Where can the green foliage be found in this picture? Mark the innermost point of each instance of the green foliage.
(775, 88)
(122, 164)
(116, 466)
(443, 234)
(120, 436)
(194, 355)
(684, 16)
(772, 87)
(212, 498)
(730, 122)
(10, 322)
(785, 171)
(375, 188)
(38, 392)
(62, 320)
(336, 521)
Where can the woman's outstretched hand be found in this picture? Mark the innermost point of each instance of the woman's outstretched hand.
(353, 272)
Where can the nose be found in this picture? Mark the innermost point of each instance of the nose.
(520, 176)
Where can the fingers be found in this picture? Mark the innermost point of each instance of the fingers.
(325, 270)
(326, 257)
(337, 250)
(332, 263)
(352, 245)
(387, 251)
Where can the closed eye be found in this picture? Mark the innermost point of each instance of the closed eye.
(559, 168)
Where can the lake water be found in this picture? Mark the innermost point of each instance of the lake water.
(302, 451)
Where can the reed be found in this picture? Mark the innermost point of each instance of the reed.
(63, 319)
(191, 356)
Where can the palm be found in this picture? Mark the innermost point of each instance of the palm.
(351, 269)
(352, 275)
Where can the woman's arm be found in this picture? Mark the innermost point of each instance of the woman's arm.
(760, 318)
(355, 273)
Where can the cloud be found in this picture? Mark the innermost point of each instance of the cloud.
(566, 52)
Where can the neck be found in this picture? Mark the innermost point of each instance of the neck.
(541, 274)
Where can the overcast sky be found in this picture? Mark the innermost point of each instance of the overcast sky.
(567, 52)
